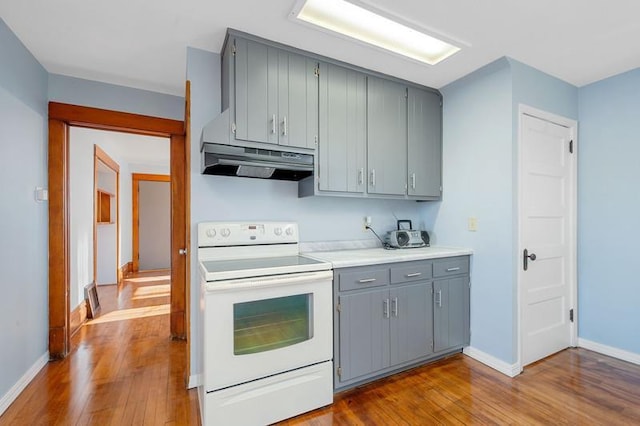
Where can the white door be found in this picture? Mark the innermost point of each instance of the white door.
(547, 276)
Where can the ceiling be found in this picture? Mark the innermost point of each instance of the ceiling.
(142, 43)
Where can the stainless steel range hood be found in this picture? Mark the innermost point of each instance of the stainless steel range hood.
(220, 157)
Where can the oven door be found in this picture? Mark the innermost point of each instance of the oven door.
(254, 328)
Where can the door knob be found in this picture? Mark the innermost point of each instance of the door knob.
(182, 252)
(525, 258)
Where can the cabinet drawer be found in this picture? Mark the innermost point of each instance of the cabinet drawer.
(363, 278)
(453, 266)
(412, 271)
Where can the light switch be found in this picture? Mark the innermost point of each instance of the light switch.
(41, 194)
(473, 224)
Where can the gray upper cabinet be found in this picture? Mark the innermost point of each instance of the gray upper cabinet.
(342, 130)
(386, 137)
(424, 143)
(276, 95)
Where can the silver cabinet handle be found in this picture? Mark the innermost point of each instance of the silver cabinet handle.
(414, 274)
(453, 269)
(360, 175)
(394, 307)
(439, 298)
(413, 181)
(182, 252)
(273, 124)
(284, 126)
(373, 177)
(366, 280)
(385, 308)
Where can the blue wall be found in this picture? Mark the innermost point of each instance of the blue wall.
(477, 171)
(77, 91)
(480, 155)
(23, 221)
(608, 210)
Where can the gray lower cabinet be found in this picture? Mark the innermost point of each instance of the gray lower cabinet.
(395, 316)
(450, 313)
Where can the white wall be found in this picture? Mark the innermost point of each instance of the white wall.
(106, 235)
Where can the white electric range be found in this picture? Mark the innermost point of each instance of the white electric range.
(266, 326)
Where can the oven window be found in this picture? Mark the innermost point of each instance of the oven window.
(265, 325)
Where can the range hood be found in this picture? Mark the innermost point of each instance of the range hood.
(220, 157)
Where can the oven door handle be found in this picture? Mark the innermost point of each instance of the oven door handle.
(269, 281)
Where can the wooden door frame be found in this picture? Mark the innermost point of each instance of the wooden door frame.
(136, 178)
(61, 117)
(100, 156)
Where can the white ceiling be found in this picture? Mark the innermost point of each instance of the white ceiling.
(142, 43)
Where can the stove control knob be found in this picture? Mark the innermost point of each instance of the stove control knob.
(289, 231)
(225, 232)
(277, 231)
(211, 233)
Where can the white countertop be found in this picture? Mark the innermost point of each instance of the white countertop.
(374, 256)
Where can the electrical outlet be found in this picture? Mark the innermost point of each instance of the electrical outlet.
(367, 223)
(473, 224)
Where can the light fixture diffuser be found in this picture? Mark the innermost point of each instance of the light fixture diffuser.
(356, 22)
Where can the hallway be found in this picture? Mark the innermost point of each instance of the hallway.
(123, 369)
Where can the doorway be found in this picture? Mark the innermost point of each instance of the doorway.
(151, 222)
(547, 283)
(106, 226)
(61, 118)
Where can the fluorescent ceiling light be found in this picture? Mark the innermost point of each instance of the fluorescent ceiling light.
(364, 25)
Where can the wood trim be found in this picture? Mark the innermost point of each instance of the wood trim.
(135, 215)
(78, 317)
(187, 150)
(106, 159)
(103, 119)
(178, 237)
(123, 272)
(58, 152)
(61, 116)
(100, 156)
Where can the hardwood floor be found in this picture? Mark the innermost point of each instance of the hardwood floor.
(123, 370)
(573, 387)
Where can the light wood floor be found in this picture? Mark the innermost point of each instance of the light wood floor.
(573, 387)
(124, 370)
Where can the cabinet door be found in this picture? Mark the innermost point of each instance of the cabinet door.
(297, 100)
(256, 103)
(411, 322)
(364, 333)
(450, 313)
(343, 129)
(424, 143)
(386, 137)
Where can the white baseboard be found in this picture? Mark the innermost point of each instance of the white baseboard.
(609, 351)
(8, 398)
(510, 370)
(194, 381)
